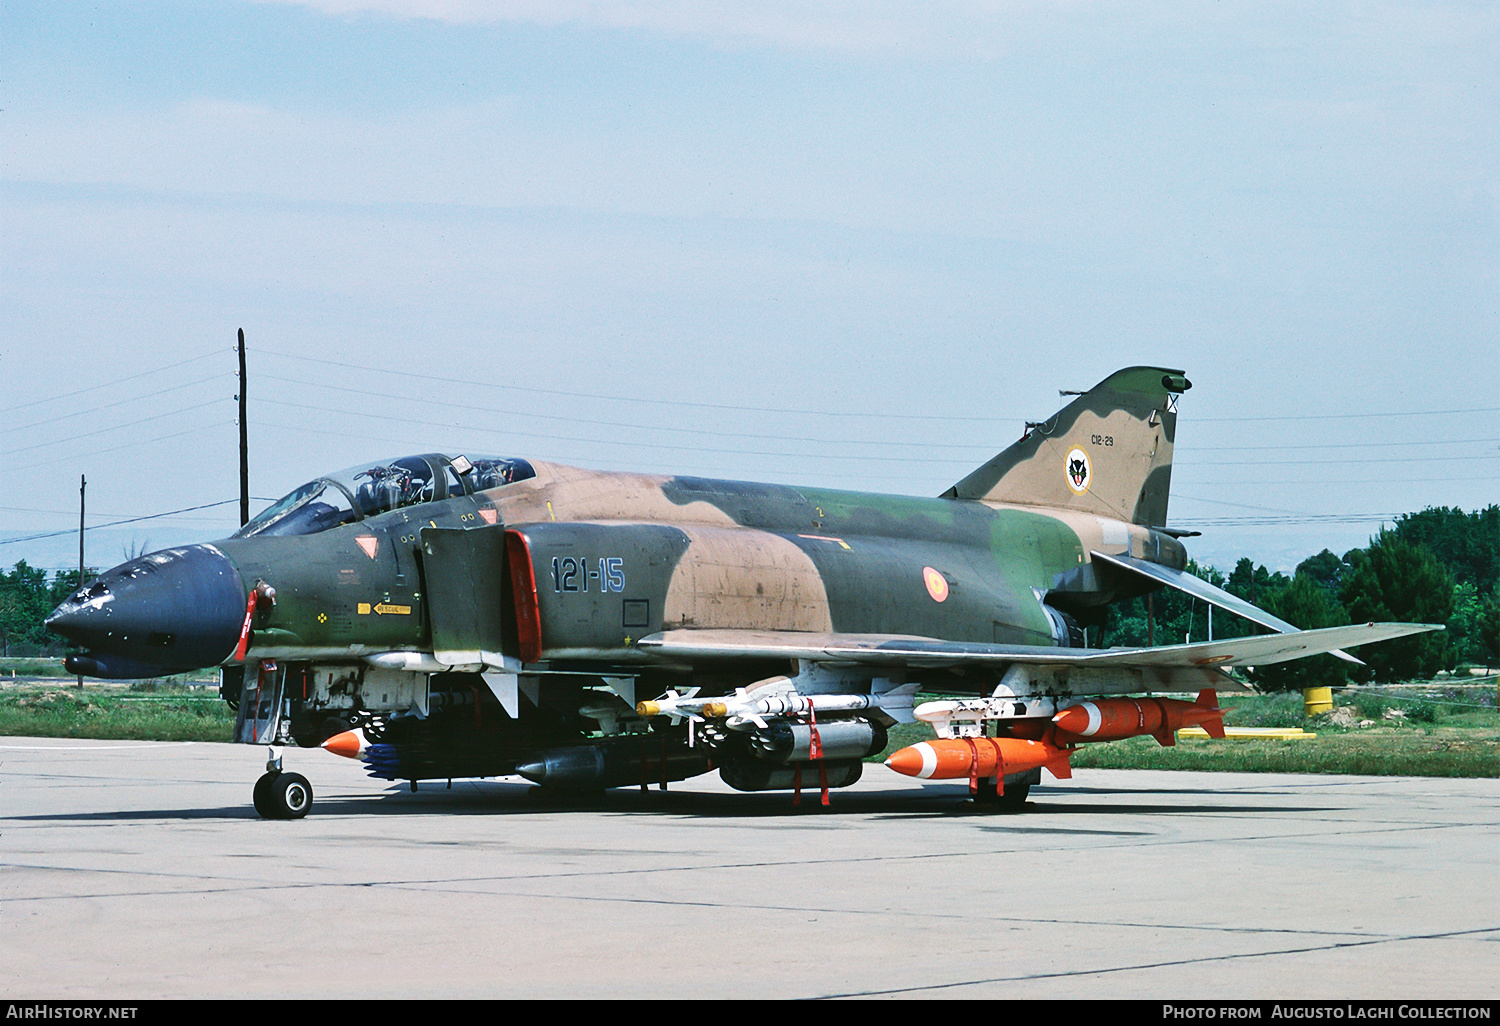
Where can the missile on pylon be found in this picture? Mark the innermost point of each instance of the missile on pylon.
(1113, 719)
(975, 757)
(777, 698)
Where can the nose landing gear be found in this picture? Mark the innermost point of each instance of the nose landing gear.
(281, 795)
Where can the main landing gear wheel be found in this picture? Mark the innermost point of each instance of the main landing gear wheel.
(1013, 800)
(283, 795)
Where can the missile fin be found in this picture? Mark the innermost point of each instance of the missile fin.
(897, 702)
(1060, 765)
(1213, 722)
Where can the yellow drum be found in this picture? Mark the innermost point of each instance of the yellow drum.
(1316, 701)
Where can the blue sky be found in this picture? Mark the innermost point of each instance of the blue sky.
(836, 243)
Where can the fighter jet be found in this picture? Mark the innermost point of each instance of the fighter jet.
(446, 616)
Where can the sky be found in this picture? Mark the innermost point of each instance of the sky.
(855, 245)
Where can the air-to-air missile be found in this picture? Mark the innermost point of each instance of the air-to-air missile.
(778, 698)
(442, 616)
(952, 718)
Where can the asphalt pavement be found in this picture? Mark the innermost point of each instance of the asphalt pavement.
(139, 870)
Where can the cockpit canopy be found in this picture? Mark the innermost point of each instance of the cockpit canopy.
(372, 488)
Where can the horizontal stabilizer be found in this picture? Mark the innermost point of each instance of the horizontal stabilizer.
(1201, 589)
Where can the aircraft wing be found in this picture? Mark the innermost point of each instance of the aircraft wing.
(1170, 667)
(1201, 589)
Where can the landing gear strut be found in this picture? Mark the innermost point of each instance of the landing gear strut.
(281, 795)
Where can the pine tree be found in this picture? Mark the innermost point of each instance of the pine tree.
(1392, 580)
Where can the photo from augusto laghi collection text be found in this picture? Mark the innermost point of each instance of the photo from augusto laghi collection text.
(1359, 1010)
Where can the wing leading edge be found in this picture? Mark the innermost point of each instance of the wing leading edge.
(1113, 670)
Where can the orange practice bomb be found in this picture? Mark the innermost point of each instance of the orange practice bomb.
(974, 757)
(1111, 719)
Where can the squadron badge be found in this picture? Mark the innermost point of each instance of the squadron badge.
(1079, 473)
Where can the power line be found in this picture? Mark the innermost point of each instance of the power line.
(118, 523)
(110, 428)
(121, 402)
(1329, 445)
(885, 415)
(978, 449)
(1344, 462)
(114, 448)
(638, 444)
(469, 383)
(697, 431)
(1327, 483)
(1346, 416)
(112, 384)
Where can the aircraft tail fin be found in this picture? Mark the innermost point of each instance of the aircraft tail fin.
(1108, 452)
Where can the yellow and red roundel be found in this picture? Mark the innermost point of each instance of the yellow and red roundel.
(937, 584)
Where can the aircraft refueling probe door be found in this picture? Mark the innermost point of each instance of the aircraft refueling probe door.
(468, 597)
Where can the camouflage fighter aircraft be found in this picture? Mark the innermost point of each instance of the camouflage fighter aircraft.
(442, 617)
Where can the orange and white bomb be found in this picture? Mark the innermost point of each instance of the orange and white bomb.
(1112, 719)
(960, 757)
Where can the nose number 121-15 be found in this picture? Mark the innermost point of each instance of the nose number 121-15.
(570, 574)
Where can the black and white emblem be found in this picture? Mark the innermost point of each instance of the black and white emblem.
(1078, 471)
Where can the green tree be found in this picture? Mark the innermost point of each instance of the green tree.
(1325, 568)
(26, 599)
(1468, 544)
(1251, 582)
(1166, 617)
(1306, 602)
(1393, 580)
(1489, 628)
(24, 606)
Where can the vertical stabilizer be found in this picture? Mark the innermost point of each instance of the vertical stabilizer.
(1108, 452)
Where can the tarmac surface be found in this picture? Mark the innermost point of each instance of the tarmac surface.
(137, 870)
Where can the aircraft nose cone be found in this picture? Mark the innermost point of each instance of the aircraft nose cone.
(177, 609)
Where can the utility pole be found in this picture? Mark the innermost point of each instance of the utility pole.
(244, 442)
(83, 484)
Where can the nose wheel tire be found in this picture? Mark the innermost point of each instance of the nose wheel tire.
(283, 796)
